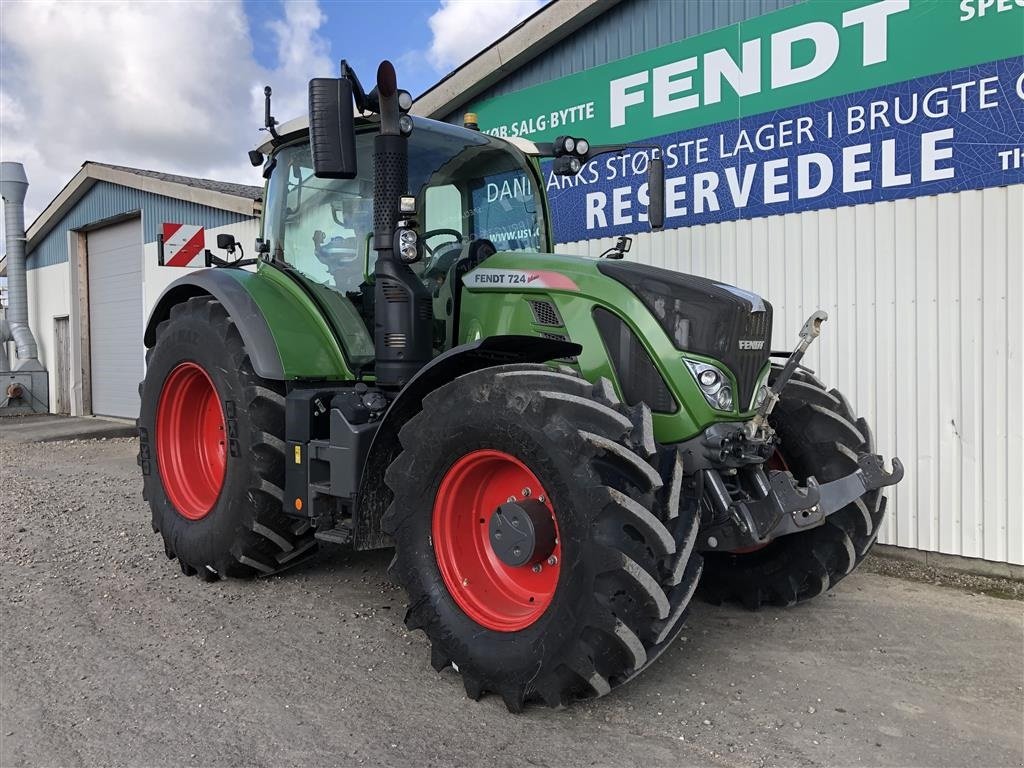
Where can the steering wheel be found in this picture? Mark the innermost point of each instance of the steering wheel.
(434, 233)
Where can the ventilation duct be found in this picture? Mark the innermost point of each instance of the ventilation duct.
(13, 185)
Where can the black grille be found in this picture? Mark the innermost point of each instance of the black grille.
(746, 364)
(394, 293)
(545, 313)
(704, 316)
(638, 377)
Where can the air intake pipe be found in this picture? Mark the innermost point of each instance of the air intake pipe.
(403, 339)
(13, 185)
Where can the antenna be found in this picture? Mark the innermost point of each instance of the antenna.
(269, 121)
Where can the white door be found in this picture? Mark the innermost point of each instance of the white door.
(115, 318)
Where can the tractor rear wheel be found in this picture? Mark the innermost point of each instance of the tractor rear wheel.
(211, 449)
(821, 437)
(544, 554)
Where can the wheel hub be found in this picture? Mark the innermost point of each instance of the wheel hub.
(522, 533)
(495, 538)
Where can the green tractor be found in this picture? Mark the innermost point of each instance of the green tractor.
(558, 449)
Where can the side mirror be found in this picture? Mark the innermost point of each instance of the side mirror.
(656, 191)
(226, 242)
(332, 129)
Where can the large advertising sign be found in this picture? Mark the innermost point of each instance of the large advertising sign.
(825, 104)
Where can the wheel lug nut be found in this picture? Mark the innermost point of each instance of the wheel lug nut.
(526, 492)
(465, 582)
(537, 568)
(510, 499)
(541, 499)
(552, 560)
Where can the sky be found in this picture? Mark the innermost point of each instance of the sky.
(178, 86)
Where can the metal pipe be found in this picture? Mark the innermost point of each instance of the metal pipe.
(5, 336)
(13, 185)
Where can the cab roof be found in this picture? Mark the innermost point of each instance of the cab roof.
(297, 127)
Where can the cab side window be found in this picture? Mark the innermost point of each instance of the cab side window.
(442, 209)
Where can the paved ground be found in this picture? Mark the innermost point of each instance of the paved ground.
(111, 657)
(47, 427)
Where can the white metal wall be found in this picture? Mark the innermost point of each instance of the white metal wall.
(925, 336)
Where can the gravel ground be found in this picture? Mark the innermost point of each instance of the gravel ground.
(111, 657)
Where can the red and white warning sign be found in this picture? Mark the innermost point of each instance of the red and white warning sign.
(184, 245)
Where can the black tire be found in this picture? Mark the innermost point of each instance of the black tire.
(245, 533)
(628, 566)
(822, 437)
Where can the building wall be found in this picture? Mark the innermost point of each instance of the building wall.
(924, 338)
(49, 297)
(105, 200)
(53, 291)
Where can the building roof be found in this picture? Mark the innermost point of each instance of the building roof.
(237, 198)
(526, 41)
(246, 191)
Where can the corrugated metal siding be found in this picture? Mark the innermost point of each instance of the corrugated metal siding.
(105, 201)
(629, 28)
(924, 337)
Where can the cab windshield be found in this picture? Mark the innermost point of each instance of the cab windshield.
(468, 186)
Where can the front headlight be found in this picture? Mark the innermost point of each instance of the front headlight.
(760, 389)
(759, 397)
(408, 245)
(713, 384)
(724, 399)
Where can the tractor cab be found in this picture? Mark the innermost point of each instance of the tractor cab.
(472, 196)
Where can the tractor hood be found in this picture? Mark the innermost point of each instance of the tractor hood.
(704, 316)
(636, 324)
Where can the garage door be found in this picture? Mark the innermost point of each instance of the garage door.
(115, 318)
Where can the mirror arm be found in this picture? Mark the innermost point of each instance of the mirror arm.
(363, 102)
(269, 121)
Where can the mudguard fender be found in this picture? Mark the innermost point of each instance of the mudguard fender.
(286, 331)
(457, 361)
(240, 305)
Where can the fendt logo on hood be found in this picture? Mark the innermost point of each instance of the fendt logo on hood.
(483, 278)
(751, 344)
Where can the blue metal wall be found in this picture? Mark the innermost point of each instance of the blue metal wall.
(629, 28)
(107, 201)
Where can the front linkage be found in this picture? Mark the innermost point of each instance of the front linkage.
(749, 507)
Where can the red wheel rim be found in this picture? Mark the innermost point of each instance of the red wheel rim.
(490, 592)
(191, 441)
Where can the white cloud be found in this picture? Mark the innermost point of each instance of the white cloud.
(463, 28)
(171, 86)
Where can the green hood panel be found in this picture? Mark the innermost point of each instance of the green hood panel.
(497, 301)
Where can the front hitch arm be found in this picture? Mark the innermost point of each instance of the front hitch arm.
(788, 507)
(810, 331)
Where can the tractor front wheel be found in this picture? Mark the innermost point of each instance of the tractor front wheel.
(821, 437)
(211, 449)
(543, 553)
